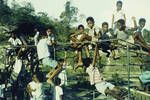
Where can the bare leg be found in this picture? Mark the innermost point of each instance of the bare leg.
(113, 53)
(80, 62)
(87, 51)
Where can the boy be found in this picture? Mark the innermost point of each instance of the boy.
(43, 51)
(122, 31)
(105, 35)
(118, 14)
(92, 29)
(15, 44)
(96, 79)
(80, 36)
(58, 91)
(54, 72)
(34, 89)
(59, 71)
(141, 26)
(13, 40)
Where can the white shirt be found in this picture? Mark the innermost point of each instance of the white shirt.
(14, 42)
(121, 34)
(42, 49)
(63, 76)
(91, 32)
(17, 66)
(2, 86)
(79, 36)
(36, 38)
(140, 30)
(94, 75)
(58, 92)
(38, 89)
(118, 15)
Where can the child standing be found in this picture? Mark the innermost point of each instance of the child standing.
(118, 14)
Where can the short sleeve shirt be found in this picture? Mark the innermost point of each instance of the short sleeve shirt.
(93, 31)
(118, 15)
(42, 49)
(94, 75)
(58, 92)
(15, 42)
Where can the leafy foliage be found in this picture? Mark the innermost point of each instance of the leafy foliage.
(24, 20)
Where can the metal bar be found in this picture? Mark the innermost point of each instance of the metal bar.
(128, 62)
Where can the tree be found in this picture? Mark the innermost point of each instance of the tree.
(5, 13)
(69, 16)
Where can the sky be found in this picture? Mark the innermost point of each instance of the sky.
(101, 10)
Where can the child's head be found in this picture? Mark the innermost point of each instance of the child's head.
(121, 24)
(49, 31)
(87, 62)
(119, 5)
(105, 26)
(61, 62)
(34, 78)
(90, 21)
(142, 22)
(81, 28)
(57, 81)
(35, 30)
(13, 34)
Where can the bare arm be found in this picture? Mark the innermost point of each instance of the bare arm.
(134, 22)
(124, 18)
(112, 21)
(95, 55)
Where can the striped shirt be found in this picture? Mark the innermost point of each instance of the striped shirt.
(94, 75)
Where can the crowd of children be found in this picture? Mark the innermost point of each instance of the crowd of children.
(92, 38)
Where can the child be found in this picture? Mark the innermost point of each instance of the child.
(80, 36)
(15, 44)
(43, 52)
(63, 74)
(13, 40)
(59, 71)
(92, 29)
(140, 28)
(105, 35)
(34, 89)
(138, 35)
(58, 91)
(96, 79)
(118, 14)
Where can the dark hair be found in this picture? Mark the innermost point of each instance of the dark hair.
(49, 27)
(90, 19)
(87, 62)
(104, 23)
(57, 81)
(122, 22)
(61, 60)
(119, 2)
(142, 20)
(79, 26)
